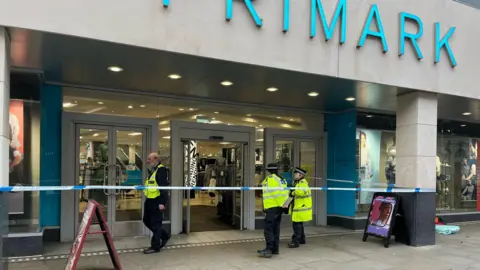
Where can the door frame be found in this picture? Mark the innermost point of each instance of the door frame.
(181, 131)
(69, 157)
(298, 136)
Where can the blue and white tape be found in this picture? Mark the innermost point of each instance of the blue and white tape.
(64, 188)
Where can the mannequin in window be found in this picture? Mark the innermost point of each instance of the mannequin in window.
(390, 168)
(469, 175)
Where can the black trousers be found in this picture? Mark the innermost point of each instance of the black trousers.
(298, 233)
(273, 218)
(153, 218)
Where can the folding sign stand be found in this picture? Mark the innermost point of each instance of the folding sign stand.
(93, 209)
(381, 217)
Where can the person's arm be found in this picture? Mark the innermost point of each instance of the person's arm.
(473, 172)
(17, 159)
(301, 191)
(162, 181)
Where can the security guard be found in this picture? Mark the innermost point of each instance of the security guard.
(273, 200)
(300, 208)
(155, 203)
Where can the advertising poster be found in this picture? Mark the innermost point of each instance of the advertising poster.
(380, 217)
(369, 161)
(16, 152)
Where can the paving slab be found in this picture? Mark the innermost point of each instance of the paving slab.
(346, 251)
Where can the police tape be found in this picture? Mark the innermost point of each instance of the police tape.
(366, 183)
(73, 188)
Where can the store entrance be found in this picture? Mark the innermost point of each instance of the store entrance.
(212, 164)
(105, 151)
(207, 155)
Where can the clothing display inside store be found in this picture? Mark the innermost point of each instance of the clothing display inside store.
(218, 165)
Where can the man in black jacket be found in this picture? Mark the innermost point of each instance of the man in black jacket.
(155, 203)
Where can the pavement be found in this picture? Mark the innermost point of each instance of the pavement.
(334, 250)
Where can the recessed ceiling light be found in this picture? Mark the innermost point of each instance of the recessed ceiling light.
(213, 118)
(226, 83)
(216, 112)
(95, 135)
(135, 134)
(181, 109)
(165, 129)
(113, 111)
(166, 137)
(81, 137)
(278, 117)
(313, 94)
(260, 125)
(463, 125)
(229, 124)
(369, 115)
(291, 119)
(467, 113)
(249, 115)
(158, 116)
(115, 69)
(272, 89)
(191, 109)
(143, 106)
(350, 99)
(130, 106)
(101, 103)
(174, 76)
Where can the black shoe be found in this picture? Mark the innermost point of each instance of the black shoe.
(276, 252)
(265, 253)
(151, 251)
(302, 242)
(164, 241)
(293, 245)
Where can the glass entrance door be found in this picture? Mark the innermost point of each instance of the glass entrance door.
(112, 156)
(211, 165)
(290, 149)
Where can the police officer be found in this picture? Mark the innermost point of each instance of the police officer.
(273, 200)
(155, 203)
(300, 208)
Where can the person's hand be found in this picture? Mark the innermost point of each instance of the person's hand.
(161, 207)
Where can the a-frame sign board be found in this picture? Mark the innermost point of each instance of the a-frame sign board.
(93, 209)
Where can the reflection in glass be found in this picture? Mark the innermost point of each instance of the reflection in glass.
(128, 172)
(284, 159)
(308, 154)
(93, 157)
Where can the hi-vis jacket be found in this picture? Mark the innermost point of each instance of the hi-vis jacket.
(301, 208)
(274, 198)
(152, 182)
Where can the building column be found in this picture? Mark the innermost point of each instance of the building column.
(4, 136)
(50, 153)
(341, 165)
(416, 139)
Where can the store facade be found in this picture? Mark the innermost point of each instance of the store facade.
(231, 86)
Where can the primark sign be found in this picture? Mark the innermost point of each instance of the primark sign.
(441, 40)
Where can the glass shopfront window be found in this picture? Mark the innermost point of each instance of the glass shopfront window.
(24, 153)
(456, 163)
(165, 110)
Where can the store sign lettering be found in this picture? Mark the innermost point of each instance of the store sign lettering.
(373, 17)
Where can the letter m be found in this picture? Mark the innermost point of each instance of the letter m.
(341, 10)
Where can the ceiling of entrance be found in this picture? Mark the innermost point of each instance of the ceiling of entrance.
(71, 60)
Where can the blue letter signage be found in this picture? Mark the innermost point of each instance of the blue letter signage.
(443, 43)
(328, 30)
(413, 37)
(251, 9)
(340, 13)
(367, 32)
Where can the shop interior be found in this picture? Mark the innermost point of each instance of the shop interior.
(213, 164)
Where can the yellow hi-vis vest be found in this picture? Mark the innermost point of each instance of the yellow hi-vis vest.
(273, 197)
(301, 208)
(151, 193)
